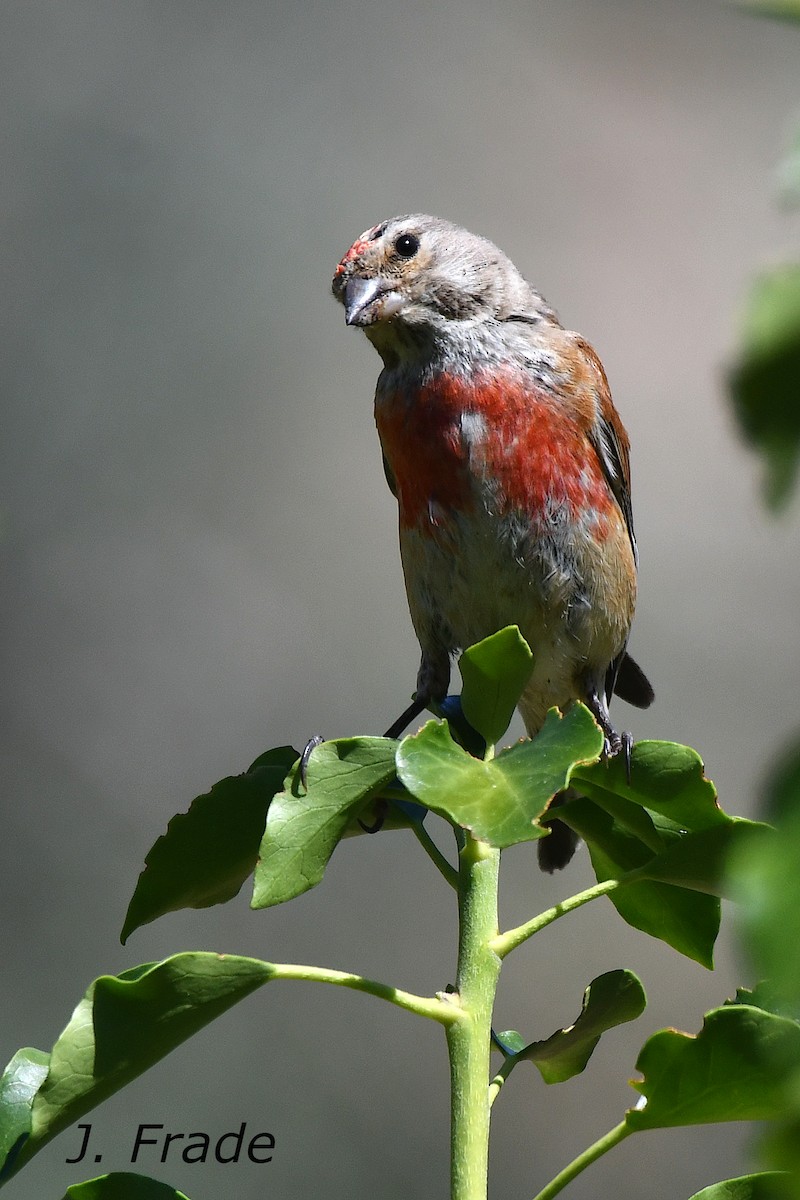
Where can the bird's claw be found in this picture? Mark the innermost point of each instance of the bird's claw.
(417, 705)
(627, 747)
(381, 808)
(619, 743)
(305, 757)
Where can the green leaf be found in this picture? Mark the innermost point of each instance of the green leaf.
(126, 1023)
(208, 852)
(782, 797)
(686, 920)
(725, 1073)
(763, 995)
(494, 672)
(500, 800)
(785, 10)
(123, 1185)
(769, 914)
(699, 861)
(611, 999)
(511, 1042)
(767, 1185)
(19, 1084)
(666, 778)
(762, 879)
(764, 386)
(304, 827)
(780, 1148)
(665, 824)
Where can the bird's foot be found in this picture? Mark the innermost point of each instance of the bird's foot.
(618, 743)
(416, 706)
(381, 808)
(614, 743)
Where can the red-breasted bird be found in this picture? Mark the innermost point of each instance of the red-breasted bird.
(510, 467)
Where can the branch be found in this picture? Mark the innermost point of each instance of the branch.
(595, 1151)
(504, 943)
(446, 1012)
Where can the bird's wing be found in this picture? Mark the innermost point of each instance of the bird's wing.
(609, 440)
(390, 479)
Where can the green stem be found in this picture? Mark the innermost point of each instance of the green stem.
(434, 853)
(595, 1151)
(500, 1078)
(504, 943)
(446, 1012)
(469, 1040)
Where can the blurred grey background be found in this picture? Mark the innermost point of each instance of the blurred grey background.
(200, 550)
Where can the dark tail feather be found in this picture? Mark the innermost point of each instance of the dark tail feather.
(632, 685)
(555, 850)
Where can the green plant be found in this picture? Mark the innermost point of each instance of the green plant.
(658, 843)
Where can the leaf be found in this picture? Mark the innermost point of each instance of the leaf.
(786, 10)
(764, 387)
(509, 1042)
(304, 827)
(208, 852)
(782, 798)
(123, 1185)
(763, 995)
(686, 920)
(666, 778)
(666, 825)
(699, 861)
(725, 1073)
(769, 914)
(460, 729)
(126, 1023)
(780, 1148)
(499, 801)
(611, 999)
(767, 1185)
(494, 672)
(19, 1084)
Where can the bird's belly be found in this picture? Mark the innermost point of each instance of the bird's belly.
(472, 573)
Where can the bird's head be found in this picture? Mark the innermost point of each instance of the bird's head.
(406, 281)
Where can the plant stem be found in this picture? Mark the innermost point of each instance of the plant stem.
(443, 1011)
(434, 853)
(500, 1078)
(504, 943)
(584, 1160)
(469, 1039)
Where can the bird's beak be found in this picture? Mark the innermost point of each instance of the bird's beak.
(367, 301)
(358, 296)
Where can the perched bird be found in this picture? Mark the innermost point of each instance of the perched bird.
(510, 467)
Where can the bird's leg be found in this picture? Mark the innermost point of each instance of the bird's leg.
(595, 701)
(432, 680)
(417, 705)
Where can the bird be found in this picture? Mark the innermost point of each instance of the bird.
(511, 470)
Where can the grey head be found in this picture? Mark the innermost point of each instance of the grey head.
(414, 280)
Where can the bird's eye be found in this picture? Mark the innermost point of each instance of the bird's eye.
(407, 245)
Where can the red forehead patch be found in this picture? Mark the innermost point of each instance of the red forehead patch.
(358, 246)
